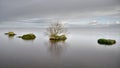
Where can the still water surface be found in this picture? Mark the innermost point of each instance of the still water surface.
(80, 50)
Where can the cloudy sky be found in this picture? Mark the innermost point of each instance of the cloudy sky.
(70, 11)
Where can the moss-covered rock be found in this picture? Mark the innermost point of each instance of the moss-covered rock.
(56, 37)
(10, 34)
(28, 37)
(106, 41)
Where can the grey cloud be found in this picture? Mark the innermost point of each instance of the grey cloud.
(11, 9)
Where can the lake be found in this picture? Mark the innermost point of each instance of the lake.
(80, 50)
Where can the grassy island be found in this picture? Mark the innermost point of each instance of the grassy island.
(106, 41)
(57, 31)
(56, 37)
(28, 36)
(10, 34)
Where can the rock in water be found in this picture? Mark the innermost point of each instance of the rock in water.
(106, 41)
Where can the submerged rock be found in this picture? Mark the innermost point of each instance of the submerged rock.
(28, 36)
(106, 41)
(10, 34)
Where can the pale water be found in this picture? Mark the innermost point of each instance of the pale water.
(80, 50)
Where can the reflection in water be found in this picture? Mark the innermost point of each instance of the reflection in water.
(56, 47)
(10, 37)
(81, 51)
(29, 40)
(105, 44)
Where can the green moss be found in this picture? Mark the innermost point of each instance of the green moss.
(56, 37)
(10, 34)
(106, 41)
(56, 41)
(28, 37)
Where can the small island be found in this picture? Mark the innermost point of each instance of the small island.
(106, 41)
(57, 32)
(29, 36)
(10, 34)
(56, 37)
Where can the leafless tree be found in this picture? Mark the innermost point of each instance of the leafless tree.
(56, 29)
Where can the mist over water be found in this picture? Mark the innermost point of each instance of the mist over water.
(80, 50)
(86, 21)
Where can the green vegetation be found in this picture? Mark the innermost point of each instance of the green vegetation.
(10, 34)
(56, 37)
(28, 36)
(57, 31)
(56, 41)
(106, 41)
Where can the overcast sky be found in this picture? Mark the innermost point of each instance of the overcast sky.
(59, 9)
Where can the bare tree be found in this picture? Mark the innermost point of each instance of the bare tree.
(56, 29)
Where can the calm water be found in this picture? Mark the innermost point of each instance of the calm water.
(80, 50)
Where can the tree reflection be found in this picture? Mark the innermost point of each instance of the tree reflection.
(56, 47)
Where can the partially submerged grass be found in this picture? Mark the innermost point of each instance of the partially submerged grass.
(57, 31)
(28, 36)
(10, 34)
(106, 41)
(58, 38)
